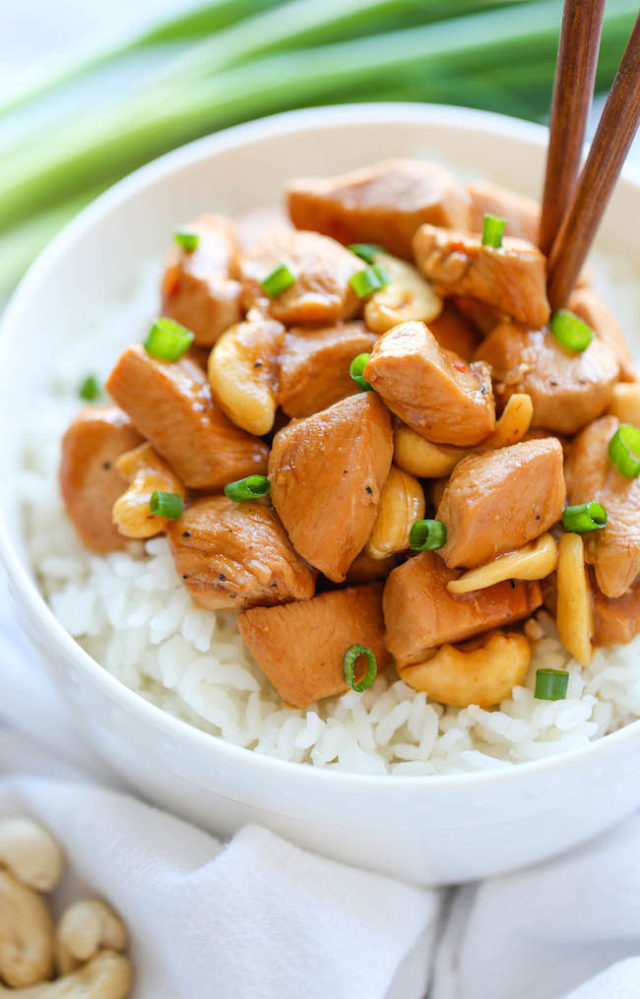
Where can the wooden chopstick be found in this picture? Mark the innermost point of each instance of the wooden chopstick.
(616, 130)
(570, 106)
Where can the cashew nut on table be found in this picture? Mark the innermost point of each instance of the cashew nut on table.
(79, 958)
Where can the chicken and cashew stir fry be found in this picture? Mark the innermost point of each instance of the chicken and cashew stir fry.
(367, 434)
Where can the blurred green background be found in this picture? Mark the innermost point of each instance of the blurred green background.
(74, 120)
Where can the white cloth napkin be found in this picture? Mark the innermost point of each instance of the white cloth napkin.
(260, 919)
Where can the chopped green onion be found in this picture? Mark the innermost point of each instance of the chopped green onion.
(167, 340)
(253, 487)
(187, 240)
(366, 251)
(166, 504)
(358, 365)
(493, 231)
(585, 517)
(427, 535)
(624, 450)
(551, 684)
(570, 330)
(352, 654)
(89, 389)
(369, 280)
(278, 281)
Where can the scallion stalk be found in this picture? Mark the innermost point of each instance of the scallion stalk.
(624, 450)
(250, 488)
(166, 504)
(584, 518)
(351, 656)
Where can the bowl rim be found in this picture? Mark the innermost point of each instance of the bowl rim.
(24, 586)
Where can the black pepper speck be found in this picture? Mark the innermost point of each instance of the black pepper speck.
(369, 490)
(106, 465)
(186, 534)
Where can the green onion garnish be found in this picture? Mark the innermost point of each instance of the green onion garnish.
(89, 389)
(493, 231)
(352, 654)
(168, 340)
(369, 280)
(366, 251)
(551, 684)
(166, 504)
(278, 281)
(358, 365)
(570, 330)
(187, 240)
(253, 487)
(427, 535)
(585, 517)
(624, 450)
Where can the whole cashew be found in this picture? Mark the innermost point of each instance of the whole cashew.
(533, 561)
(574, 612)
(482, 674)
(243, 373)
(407, 296)
(107, 976)
(85, 928)
(401, 504)
(420, 457)
(30, 852)
(512, 425)
(626, 403)
(26, 934)
(147, 473)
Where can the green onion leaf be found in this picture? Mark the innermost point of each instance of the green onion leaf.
(352, 654)
(166, 504)
(369, 280)
(358, 365)
(570, 330)
(624, 450)
(278, 281)
(493, 231)
(187, 240)
(551, 684)
(366, 251)
(89, 389)
(427, 535)
(168, 340)
(585, 517)
(253, 487)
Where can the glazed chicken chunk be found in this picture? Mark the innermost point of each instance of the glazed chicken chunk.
(236, 555)
(617, 621)
(521, 214)
(512, 278)
(384, 204)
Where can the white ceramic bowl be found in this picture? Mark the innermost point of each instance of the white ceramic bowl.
(426, 829)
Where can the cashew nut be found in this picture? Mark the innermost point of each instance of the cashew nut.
(107, 976)
(407, 296)
(146, 472)
(85, 928)
(401, 504)
(513, 424)
(482, 672)
(626, 403)
(533, 561)
(420, 457)
(574, 614)
(243, 373)
(26, 934)
(30, 852)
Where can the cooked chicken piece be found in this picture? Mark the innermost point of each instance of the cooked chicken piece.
(89, 482)
(256, 223)
(235, 555)
(326, 474)
(322, 268)
(198, 287)
(483, 317)
(613, 551)
(593, 310)
(513, 278)
(522, 214)
(454, 332)
(314, 366)
(441, 396)
(420, 614)
(171, 405)
(617, 621)
(497, 501)
(301, 646)
(384, 204)
(365, 568)
(567, 390)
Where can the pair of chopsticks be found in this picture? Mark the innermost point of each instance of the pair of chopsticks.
(574, 201)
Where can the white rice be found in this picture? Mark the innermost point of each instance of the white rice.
(132, 614)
